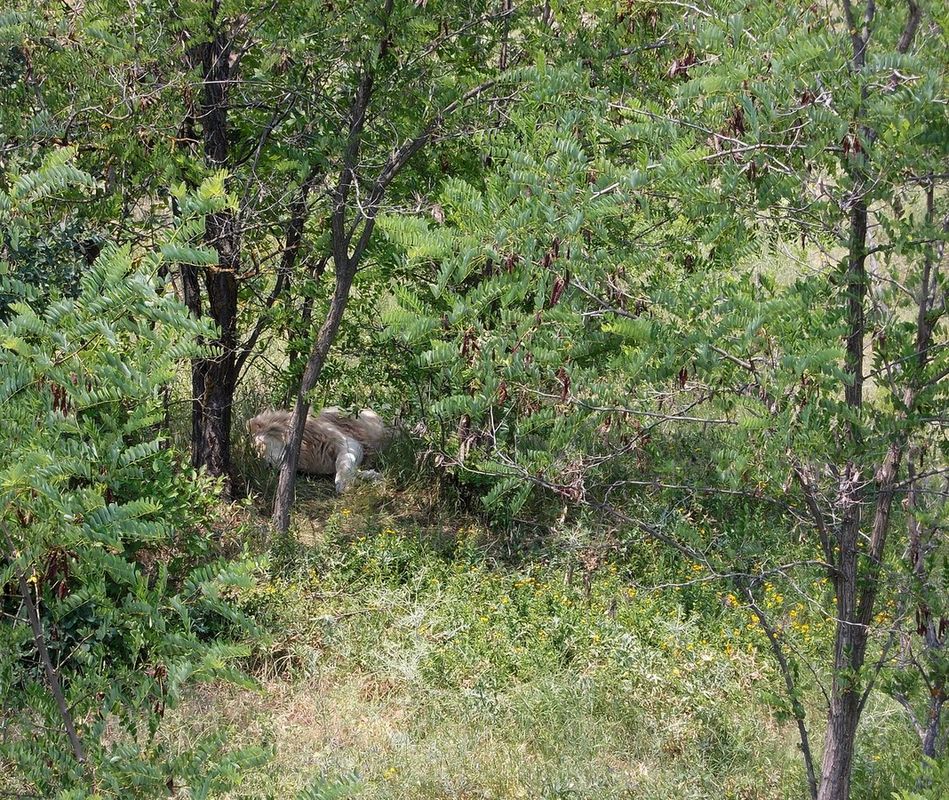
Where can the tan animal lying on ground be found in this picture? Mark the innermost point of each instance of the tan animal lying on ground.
(333, 443)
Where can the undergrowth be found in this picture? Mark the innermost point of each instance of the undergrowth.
(411, 656)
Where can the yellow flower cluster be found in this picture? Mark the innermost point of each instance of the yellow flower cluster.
(772, 598)
(799, 623)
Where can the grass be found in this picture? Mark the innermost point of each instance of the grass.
(415, 657)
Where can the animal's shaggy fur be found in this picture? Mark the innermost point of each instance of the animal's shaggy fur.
(333, 442)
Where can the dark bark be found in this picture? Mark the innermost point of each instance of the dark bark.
(837, 764)
(849, 649)
(856, 298)
(214, 374)
(217, 369)
(934, 637)
(52, 676)
(934, 720)
(913, 18)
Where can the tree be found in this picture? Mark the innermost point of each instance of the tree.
(361, 186)
(108, 590)
(637, 241)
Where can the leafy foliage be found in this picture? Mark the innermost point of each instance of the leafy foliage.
(670, 269)
(606, 320)
(102, 524)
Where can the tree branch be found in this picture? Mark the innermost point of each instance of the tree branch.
(788, 676)
(292, 243)
(810, 499)
(39, 638)
(914, 720)
(915, 14)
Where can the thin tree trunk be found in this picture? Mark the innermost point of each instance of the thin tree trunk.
(856, 301)
(218, 368)
(345, 265)
(302, 327)
(933, 721)
(293, 244)
(850, 641)
(843, 712)
(837, 765)
(314, 366)
(52, 676)
(856, 590)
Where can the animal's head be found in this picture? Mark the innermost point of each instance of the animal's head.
(268, 435)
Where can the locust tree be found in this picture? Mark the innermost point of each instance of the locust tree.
(110, 596)
(728, 289)
(444, 62)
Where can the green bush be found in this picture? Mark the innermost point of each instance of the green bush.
(108, 590)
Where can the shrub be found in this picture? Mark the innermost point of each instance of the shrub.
(105, 612)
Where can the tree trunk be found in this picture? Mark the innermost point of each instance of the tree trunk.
(214, 375)
(855, 588)
(936, 702)
(850, 646)
(850, 639)
(837, 764)
(314, 366)
(301, 329)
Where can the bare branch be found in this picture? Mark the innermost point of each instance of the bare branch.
(788, 676)
(293, 241)
(817, 515)
(911, 713)
(39, 639)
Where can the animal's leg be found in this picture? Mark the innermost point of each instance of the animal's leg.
(347, 464)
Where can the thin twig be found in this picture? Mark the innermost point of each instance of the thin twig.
(40, 640)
